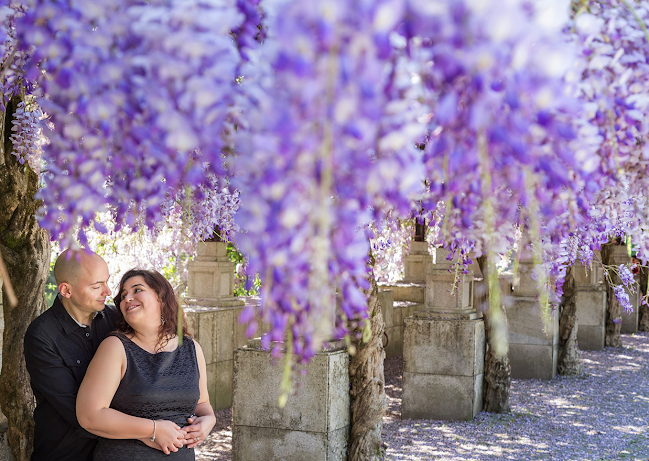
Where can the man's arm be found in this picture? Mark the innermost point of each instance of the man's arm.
(51, 378)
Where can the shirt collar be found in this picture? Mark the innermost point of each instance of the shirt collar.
(65, 317)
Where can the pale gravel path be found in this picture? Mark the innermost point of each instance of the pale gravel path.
(600, 416)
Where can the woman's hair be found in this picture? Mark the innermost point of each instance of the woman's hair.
(168, 303)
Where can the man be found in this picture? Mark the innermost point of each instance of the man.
(59, 345)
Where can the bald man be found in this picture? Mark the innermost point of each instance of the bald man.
(58, 347)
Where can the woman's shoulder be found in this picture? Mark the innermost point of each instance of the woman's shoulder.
(114, 341)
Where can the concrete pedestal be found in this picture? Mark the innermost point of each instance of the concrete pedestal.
(415, 263)
(443, 366)
(219, 333)
(443, 350)
(392, 316)
(212, 317)
(533, 353)
(410, 292)
(590, 298)
(210, 281)
(619, 255)
(591, 317)
(314, 425)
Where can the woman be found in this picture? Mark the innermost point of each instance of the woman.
(141, 384)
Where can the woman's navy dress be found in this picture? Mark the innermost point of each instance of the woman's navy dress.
(155, 386)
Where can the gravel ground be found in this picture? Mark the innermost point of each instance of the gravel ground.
(599, 416)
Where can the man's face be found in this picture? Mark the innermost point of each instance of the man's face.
(89, 291)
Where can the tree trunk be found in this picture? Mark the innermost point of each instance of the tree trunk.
(612, 336)
(25, 248)
(569, 354)
(367, 392)
(643, 321)
(497, 371)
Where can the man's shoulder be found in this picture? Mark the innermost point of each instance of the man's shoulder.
(43, 324)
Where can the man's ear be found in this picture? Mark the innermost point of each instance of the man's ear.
(65, 289)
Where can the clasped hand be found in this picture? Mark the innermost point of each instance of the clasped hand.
(168, 437)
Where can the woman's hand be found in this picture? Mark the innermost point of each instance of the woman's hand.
(169, 436)
(199, 429)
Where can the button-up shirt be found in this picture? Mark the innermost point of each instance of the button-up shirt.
(57, 353)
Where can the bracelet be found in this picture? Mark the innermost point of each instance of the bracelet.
(153, 438)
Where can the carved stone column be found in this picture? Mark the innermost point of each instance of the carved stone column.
(619, 255)
(591, 305)
(443, 350)
(533, 350)
(213, 317)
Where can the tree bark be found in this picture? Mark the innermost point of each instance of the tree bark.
(569, 354)
(25, 248)
(497, 370)
(367, 392)
(643, 321)
(612, 333)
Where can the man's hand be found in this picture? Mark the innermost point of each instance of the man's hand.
(200, 427)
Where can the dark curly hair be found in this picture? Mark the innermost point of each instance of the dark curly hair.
(168, 302)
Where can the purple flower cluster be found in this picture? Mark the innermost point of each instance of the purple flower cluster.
(623, 298)
(503, 128)
(626, 276)
(138, 95)
(297, 124)
(27, 135)
(12, 75)
(330, 144)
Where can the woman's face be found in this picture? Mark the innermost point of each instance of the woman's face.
(140, 304)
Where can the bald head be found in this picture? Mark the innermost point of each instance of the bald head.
(71, 263)
(82, 278)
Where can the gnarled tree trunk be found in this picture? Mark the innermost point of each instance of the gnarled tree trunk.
(612, 333)
(367, 381)
(497, 370)
(569, 354)
(25, 248)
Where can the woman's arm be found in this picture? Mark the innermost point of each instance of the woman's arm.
(96, 392)
(202, 424)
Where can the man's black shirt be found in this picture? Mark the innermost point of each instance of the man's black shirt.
(57, 354)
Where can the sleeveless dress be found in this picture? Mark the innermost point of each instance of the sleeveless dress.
(155, 386)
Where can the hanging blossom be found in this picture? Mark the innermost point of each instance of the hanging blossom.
(389, 246)
(331, 133)
(138, 94)
(616, 86)
(12, 75)
(505, 131)
(27, 135)
(167, 248)
(204, 208)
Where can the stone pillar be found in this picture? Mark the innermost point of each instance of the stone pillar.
(392, 316)
(415, 263)
(212, 316)
(210, 281)
(443, 350)
(533, 353)
(314, 425)
(590, 294)
(620, 255)
(411, 288)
